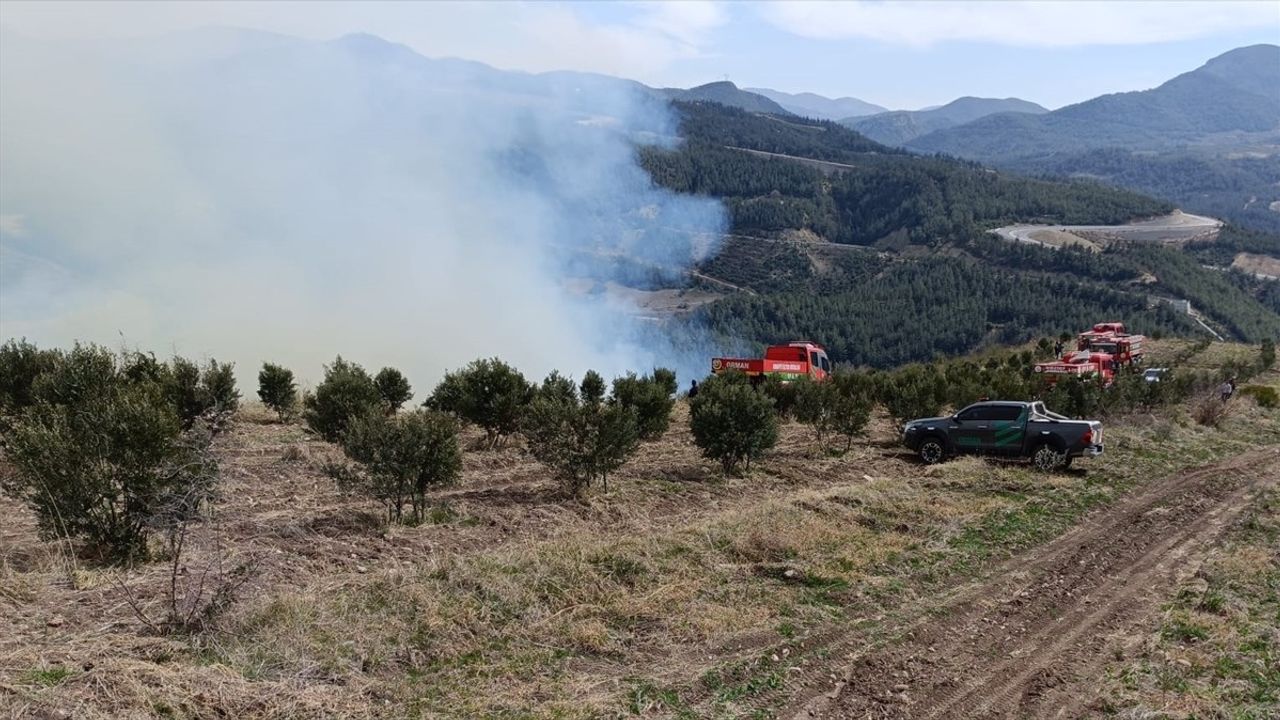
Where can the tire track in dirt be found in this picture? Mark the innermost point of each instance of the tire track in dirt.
(1028, 640)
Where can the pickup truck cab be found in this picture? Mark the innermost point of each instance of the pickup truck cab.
(1006, 428)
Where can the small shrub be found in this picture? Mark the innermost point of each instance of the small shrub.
(854, 400)
(1264, 395)
(196, 393)
(556, 387)
(218, 387)
(394, 388)
(812, 406)
(582, 440)
(592, 388)
(666, 379)
(277, 390)
(1266, 355)
(401, 458)
(346, 392)
(1209, 411)
(182, 386)
(488, 393)
(785, 395)
(651, 399)
(1075, 397)
(732, 423)
(841, 405)
(103, 457)
(20, 364)
(913, 392)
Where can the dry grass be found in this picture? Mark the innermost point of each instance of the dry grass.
(516, 601)
(1216, 651)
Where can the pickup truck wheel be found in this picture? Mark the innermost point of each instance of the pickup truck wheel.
(932, 451)
(1047, 458)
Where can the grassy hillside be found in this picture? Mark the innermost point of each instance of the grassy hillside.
(677, 593)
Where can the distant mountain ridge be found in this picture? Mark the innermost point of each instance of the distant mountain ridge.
(1236, 92)
(899, 128)
(725, 93)
(816, 106)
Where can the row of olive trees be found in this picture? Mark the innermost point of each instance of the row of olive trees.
(581, 432)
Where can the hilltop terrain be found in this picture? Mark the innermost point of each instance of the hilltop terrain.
(816, 106)
(900, 128)
(680, 593)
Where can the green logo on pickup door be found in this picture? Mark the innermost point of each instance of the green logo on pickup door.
(1010, 431)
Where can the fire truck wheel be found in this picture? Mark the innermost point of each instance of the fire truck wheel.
(932, 451)
(1047, 458)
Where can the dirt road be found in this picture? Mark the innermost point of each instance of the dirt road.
(1175, 228)
(1030, 640)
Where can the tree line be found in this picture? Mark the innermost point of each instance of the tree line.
(114, 448)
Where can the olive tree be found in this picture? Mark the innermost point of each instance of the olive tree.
(582, 438)
(732, 422)
(394, 388)
(400, 458)
(488, 393)
(277, 390)
(101, 456)
(346, 392)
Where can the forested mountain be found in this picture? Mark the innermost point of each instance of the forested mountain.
(823, 108)
(1243, 188)
(898, 128)
(1205, 139)
(1237, 92)
(932, 281)
(885, 197)
(726, 93)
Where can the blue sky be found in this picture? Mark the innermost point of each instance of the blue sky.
(897, 54)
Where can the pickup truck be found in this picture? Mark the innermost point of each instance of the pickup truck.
(1011, 429)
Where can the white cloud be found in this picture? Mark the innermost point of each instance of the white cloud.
(1047, 24)
(689, 22)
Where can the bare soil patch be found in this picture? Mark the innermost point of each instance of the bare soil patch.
(1031, 640)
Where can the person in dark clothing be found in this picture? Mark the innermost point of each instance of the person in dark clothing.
(1057, 348)
(693, 388)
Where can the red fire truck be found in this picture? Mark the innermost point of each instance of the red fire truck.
(1080, 363)
(1112, 339)
(791, 362)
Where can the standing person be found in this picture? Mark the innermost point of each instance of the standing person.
(693, 388)
(1057, 348)
(1227, 389)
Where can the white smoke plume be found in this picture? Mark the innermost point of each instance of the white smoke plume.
(257, 197)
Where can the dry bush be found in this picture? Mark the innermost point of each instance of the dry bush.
(1210, 411)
